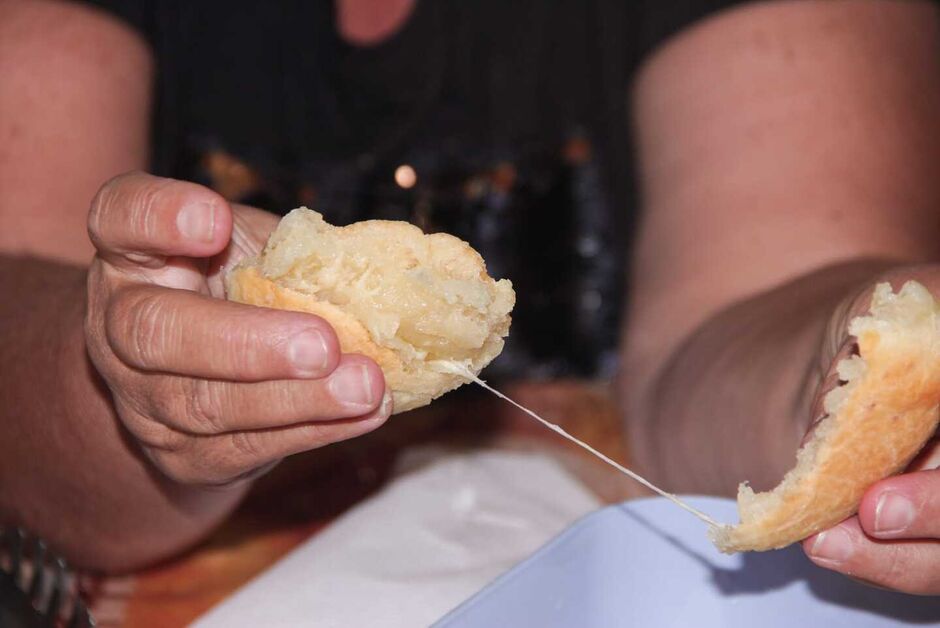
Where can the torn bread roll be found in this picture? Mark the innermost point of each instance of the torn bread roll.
(403, 298)
(878, 420)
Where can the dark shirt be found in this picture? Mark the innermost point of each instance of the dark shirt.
(513, 115)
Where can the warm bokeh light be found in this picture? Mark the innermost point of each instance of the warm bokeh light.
(405, 176)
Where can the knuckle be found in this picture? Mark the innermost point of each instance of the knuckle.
(240, 341)
(142, 328)
(103, 206)
(179, 456)
(205, 405)
(144, 207)
(166, 401)
(246, 446)
(148, 431)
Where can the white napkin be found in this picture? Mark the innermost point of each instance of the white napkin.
(426, 543)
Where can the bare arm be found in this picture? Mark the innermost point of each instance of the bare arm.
(137, 403)
(74, 109)
(788, 153)
(74, 103)
(65, 455)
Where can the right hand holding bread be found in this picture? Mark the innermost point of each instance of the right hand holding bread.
(211, 391)
(877, 415)
(894, 539)
(876, 421)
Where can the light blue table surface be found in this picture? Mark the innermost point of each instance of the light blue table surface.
(647, 563)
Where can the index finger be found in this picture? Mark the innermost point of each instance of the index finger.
(140, 219)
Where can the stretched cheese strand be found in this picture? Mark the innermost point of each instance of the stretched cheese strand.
(457, 368)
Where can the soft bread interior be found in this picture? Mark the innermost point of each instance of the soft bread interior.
(404, 298)
(878, 420)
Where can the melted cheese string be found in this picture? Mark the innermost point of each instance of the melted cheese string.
(457, 368)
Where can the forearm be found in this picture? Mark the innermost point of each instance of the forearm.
(67, 471)
(734, 399)
(762, 162)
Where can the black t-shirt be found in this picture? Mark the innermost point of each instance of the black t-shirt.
(512, 116)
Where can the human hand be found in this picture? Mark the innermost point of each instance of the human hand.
(213, 392)
(894, 540)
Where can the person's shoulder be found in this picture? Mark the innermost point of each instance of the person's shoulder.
(659, 22)
(75, 28)
(135, 15)
(68, 44)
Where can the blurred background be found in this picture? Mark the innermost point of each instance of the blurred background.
(502, 123)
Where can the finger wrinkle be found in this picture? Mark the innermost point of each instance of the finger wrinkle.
(240, 341)
(152, 327)
(246, 445)
(209, 406)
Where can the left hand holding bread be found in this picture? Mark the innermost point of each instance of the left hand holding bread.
(211, 392)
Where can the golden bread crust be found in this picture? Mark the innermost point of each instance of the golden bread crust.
(403, 298)
(877, 424)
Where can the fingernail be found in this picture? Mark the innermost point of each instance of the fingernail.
(832, 546)
(894, 513)
(196, 221)
(308, 353)
(387, 402)
(380, 417)
(351, 384)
